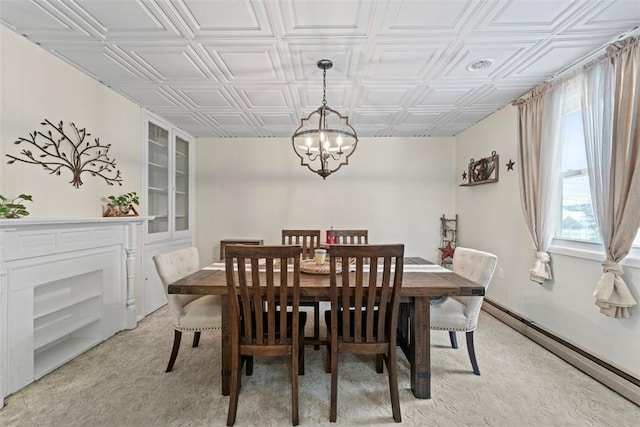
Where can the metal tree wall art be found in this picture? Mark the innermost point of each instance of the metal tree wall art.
(66, 149)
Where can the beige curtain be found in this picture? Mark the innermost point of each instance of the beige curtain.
(615, 185)
(539, 156)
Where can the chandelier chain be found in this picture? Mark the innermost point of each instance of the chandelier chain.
(324, 87)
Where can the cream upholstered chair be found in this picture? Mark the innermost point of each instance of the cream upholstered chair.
(461, 313)
(194, 313)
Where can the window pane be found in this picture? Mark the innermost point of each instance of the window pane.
(578, 220)
(574, 155)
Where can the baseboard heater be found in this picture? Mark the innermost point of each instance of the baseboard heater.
(616, 379)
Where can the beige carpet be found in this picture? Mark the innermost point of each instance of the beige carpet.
(122, 383)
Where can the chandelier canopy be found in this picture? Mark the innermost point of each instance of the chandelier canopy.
(325, 140)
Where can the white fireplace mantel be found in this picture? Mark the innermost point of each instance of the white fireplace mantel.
(66, 284)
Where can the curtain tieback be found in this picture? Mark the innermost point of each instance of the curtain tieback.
(609, 266)
(612, 294)
(541, 270)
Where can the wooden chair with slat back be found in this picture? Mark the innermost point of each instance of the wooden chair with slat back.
(363, 321)
(258, 283)
(308, 240)
(349, 237)
(226, 242)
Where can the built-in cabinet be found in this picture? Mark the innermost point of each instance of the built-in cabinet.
(65, 286)
(169, 189)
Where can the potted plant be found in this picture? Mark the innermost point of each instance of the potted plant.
(122, 205)
(13, 208)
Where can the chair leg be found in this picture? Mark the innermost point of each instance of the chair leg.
(247, 361)
(316, 324)
(196, 338)
(177, 336)
(234, 384)
(472, 353)
(379, 363)
(453, 339)
(392, 368)
(301, 356)
(327, 359)
(294, 387)
(334, 385)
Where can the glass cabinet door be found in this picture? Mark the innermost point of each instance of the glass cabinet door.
(158, 178)
(181, 179)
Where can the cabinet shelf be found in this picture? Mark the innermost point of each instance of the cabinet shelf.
(49, 358)
(182, 193)
(157, 190)
(54, 331)
(158, 143)
(75, 300)
(158, 166)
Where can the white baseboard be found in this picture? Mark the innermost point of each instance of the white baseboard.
(548, 340)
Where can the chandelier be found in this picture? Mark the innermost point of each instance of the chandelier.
(325, 140)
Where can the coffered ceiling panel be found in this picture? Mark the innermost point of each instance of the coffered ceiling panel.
(247, 68)
(170, 63)
(151, 96)
(100, 65)
(434, 17)
(324, 18)
(265, 96)
(133, 17)
(224, 17)
(203, 98)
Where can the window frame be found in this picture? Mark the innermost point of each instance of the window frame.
(590, 249)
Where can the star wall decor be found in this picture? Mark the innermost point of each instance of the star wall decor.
(510, 165)
(447, 251)
(464, 175)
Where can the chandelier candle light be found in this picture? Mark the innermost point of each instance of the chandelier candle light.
(325, 140)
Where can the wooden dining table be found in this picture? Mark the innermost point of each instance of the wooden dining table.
(419, 285)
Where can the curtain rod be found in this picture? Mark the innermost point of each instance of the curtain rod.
(595, 55)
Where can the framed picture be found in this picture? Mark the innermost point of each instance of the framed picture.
(483, 171)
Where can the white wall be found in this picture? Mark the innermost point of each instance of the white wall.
(490, 218)
(37, 86)
(395, 188)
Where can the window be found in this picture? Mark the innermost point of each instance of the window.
(578, 221)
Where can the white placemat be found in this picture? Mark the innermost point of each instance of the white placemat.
(408, 268)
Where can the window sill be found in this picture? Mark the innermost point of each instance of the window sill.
(591, 251)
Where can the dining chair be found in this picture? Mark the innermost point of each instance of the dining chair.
(364, 310)
(225, 242)
(309, 241)
(461, 314)
(349, 237)
(189, 313)
(256, 288)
